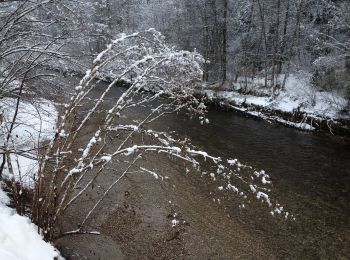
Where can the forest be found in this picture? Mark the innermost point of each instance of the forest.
(163, 129)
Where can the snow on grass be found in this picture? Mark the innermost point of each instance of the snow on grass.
(35, 123)
(19, 239)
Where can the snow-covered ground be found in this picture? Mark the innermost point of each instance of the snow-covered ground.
(298, 96)
(19, 238)
(35, 123)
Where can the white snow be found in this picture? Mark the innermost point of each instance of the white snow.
(124, 127)
(232, 188)
(4, 199)
(106, 158)
(176, 149)
(205, 155)
(34, 124)
(174, 222)
(299, 95)
(155, 175)
(232, 162)
(130, 150)
(264, 196)
(19, 239)
(89, 146)
(252, 188)
(264, 178)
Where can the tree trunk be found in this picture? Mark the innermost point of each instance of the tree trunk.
(294, 41)
(224, 43)
(284, 39)
(262, 17)
(276, 46)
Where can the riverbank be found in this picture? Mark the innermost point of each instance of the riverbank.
(299, 105)
(34, 124)
(135, 224)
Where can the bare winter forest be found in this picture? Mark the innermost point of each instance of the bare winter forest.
(163, 129)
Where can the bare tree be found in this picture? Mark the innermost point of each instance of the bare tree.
(76, 158)
(159, 78)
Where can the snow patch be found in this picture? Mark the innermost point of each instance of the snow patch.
(19, 239)
(299, 96)
(106, 158)
(35, 123)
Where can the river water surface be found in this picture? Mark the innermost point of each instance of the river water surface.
(310, 174)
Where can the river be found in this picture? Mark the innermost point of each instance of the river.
(310, 174)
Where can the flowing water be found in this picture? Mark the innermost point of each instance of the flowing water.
(314, 166)
(310, 173)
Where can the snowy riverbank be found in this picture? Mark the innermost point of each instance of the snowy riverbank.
(19, 238)
(35, 123)
(299, 105)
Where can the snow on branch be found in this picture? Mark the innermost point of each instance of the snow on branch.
(82, 148)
